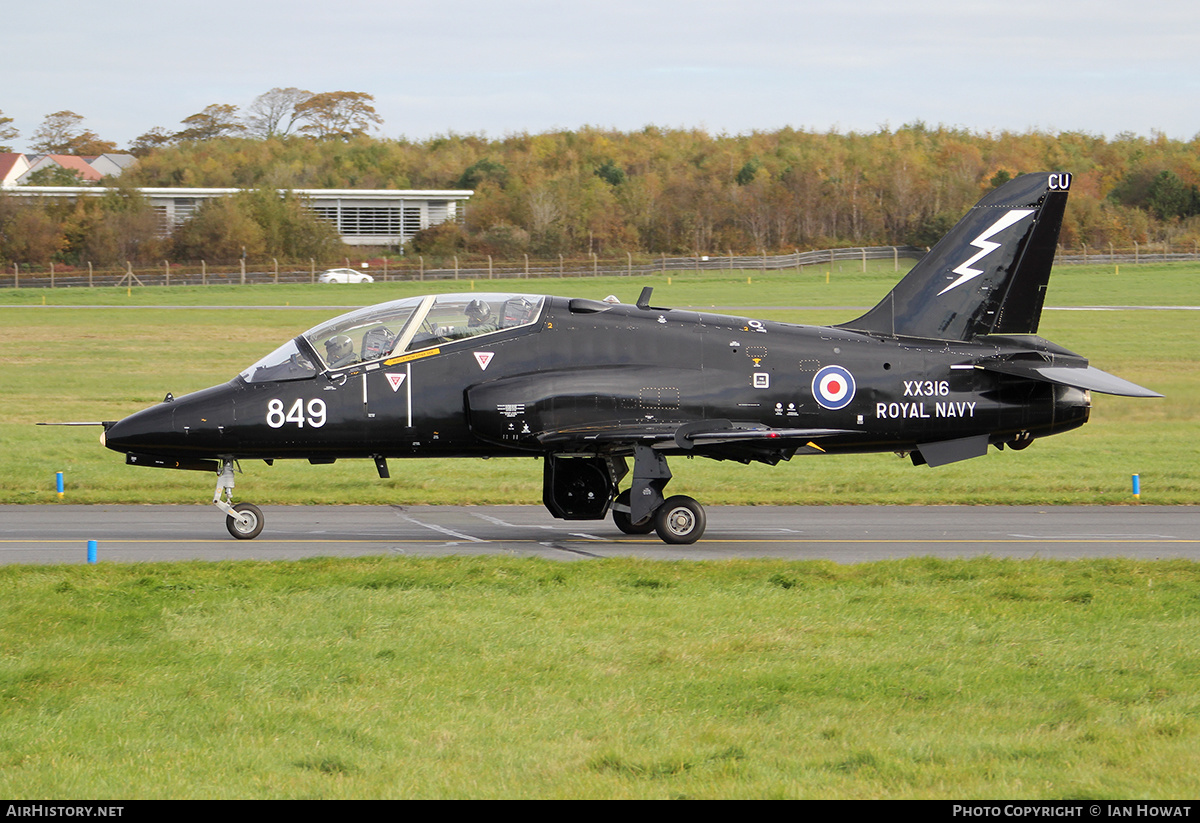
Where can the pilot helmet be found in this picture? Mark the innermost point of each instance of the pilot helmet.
(479, 311)
(338, 347)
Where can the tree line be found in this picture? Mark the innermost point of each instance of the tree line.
(660, 191)
(332, 115)
(120, 226)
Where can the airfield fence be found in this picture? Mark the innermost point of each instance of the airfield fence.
(168, 273)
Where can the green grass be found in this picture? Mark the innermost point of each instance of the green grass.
(465, 677)
(104, 363)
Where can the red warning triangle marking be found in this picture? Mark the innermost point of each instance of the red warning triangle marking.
(484, 358)
(396, 380)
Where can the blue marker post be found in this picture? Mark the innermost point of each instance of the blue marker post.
(91, 551)
(58, 482)
(1137, 487)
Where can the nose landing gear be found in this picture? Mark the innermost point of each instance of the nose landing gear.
(245, 520)
(246, 523)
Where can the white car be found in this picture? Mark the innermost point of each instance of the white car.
(344, 276)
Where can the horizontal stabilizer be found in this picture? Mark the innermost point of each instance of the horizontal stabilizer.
(1082, 377)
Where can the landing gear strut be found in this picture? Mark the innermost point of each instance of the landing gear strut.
(621, 518)
(245, 520)
(679, 520)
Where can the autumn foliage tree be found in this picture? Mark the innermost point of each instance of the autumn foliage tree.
(337, 115)
(63, 133)
(253, 224)
(7, 132)
(684, 191)
(28, 234)
(217, 120)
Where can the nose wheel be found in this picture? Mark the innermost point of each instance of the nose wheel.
(245, 520)
(248, 525)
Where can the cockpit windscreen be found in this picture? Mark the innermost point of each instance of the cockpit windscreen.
(394, 328)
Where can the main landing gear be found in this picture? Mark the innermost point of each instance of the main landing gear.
(583, 488)
(678, 520)
(245, 520)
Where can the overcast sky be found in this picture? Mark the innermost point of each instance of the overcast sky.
(727, 66)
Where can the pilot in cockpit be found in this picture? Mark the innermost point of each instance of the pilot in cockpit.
(339, 351)
(479, 317)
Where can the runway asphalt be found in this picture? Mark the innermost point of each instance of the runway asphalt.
(842, 534)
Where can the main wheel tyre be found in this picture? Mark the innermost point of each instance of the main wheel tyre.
(622, 521)
(680, 520)
(251, 529)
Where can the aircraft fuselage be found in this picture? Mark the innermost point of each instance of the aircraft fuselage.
(599, 366)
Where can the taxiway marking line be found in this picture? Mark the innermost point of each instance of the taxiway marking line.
(440, 529)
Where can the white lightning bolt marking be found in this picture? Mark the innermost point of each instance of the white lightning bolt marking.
(986, 247)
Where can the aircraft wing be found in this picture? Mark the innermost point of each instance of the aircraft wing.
(700, 436)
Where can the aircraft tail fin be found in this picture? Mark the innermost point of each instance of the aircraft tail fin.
(988, 275)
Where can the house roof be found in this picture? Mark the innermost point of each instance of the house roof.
(12, 166)
(79, 165)
(111, 164)
(15, 167)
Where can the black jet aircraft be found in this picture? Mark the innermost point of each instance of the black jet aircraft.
(947, 364)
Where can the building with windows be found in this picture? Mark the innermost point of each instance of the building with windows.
(363, 217)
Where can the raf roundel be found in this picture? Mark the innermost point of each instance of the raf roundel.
(833, 387)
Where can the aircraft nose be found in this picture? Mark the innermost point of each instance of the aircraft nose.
(148, 430)
(195, 425)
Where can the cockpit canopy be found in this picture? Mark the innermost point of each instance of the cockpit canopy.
(395, 328)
